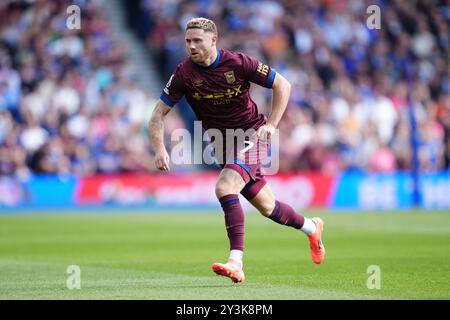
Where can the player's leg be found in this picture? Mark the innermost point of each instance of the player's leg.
(262, 198)
(231, 181)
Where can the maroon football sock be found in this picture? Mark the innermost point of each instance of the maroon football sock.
(284, 214)
(234, 220)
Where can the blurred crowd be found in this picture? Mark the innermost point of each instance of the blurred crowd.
(350, 107)
(70, 104)
(68, 101)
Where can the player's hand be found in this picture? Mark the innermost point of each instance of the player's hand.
(162, 160)
(265, 132)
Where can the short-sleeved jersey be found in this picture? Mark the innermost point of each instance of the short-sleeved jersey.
(219, 94)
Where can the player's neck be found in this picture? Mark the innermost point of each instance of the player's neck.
(210, 60)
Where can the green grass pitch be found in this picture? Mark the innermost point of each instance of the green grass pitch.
(167, 255)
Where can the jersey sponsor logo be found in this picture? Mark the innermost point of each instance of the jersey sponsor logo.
(263, 68)
(166, 89)
(230, 93)
(229, 75)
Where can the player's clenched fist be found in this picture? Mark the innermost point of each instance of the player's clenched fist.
(265, 132)
(162, 160)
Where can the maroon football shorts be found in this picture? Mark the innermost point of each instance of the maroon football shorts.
(245, 157)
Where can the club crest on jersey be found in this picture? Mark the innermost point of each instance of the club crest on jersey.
(229, 75)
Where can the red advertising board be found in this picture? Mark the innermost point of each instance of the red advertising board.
(299, 190)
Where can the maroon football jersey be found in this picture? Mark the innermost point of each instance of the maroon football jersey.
(219, 94)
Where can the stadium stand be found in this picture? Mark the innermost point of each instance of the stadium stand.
(69, 103)
(349, 107)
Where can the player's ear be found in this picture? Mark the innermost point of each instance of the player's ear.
(214, 39)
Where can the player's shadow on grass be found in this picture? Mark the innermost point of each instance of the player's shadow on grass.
(227, 285)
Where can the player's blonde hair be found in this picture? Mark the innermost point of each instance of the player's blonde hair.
(202, 23)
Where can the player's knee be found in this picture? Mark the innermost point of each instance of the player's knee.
(224, 188)
(229, 183)
(226, 185)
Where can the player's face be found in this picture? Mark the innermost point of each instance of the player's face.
(200, 45)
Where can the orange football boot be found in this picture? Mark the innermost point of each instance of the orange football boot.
(315, 242)
(231, 269)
